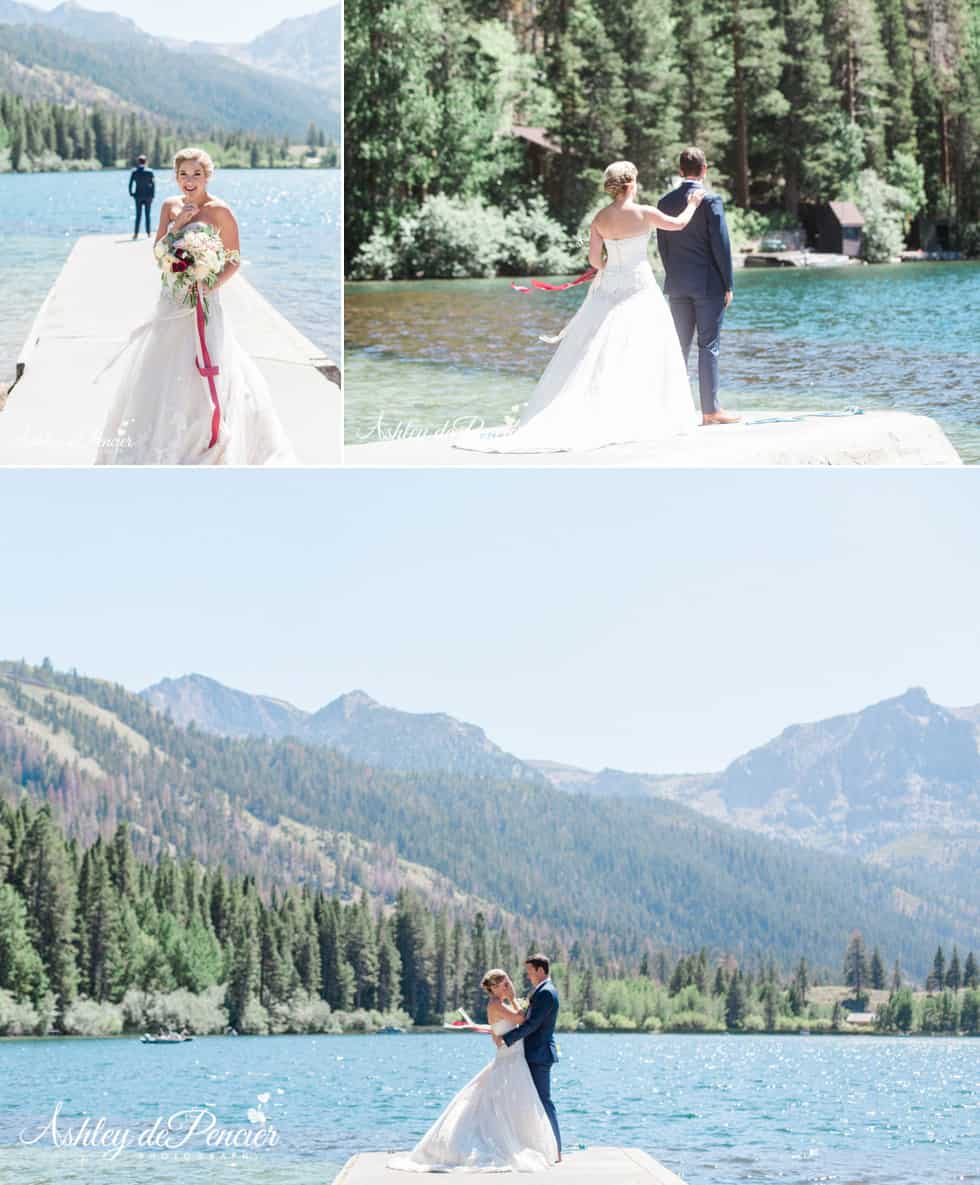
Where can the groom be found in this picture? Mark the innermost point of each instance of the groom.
(538, 1034)
(698, 263)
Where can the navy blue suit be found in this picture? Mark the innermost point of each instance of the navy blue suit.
(698, 262)
(538, 1034)
(142, 188)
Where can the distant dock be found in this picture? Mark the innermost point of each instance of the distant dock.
(54, 410)
(589, 1166)
(797, 259)
(894, 438)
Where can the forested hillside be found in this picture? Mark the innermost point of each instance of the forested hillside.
(792, 100)
(185, 88)
(619, 876)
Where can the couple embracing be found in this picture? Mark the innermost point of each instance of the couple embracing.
(619, 374)
(504, 1118)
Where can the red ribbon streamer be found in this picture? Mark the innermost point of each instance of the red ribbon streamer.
(208, 371)
(584, 278)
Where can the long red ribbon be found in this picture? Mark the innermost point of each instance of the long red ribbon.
(584, 278)
(208, 371)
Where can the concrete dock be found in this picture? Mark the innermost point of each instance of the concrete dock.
(886, 438)
(54, 410)
(590, 1166)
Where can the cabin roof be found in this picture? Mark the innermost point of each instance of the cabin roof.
(846, 213)
(536, 136)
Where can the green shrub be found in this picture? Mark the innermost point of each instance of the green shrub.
(620, 1020)
(693, 1022)
(594, 1020)
(969, 239)
(203, 1012)
(653, 1024)
(534, 243)
(886, 209)
(452, 238)
(88, 1018)
(17, 1018)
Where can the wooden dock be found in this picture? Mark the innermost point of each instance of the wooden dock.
(797, 259)
(589, 1166)
(54, 410)
(894, 438)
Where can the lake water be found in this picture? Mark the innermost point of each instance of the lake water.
(904, 336)
(718, 1110)
(290, 226)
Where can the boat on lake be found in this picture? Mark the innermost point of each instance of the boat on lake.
(165, 1038)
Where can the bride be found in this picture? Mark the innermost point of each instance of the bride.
(618, 374)
(496, 1123)
(163, 410)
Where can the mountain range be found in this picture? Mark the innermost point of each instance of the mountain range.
(276, 83)
(896, 784)
(621, 874)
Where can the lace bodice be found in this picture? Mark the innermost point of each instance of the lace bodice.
(627, 267)
(503, 1026)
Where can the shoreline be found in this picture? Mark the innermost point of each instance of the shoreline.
(433, 1030)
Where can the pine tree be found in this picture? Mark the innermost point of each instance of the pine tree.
(757, 46)
(585, 74)
(245, 979)
(801, 981)
(642, 32)
(856, 965)
(877, 973)
(477, 966)
(389, 971)
(362, 953)
(736, 1003)
(971, 976)
(937, 976)
(336, 975)
(954, 976)
(21, 970)
(49, 893)
(412, 941)
(900, 77)
(859, 69)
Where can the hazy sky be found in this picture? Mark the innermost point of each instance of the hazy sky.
(219, 20)
(646, 620)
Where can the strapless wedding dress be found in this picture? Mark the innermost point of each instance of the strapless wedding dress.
(618, 374)
(495, 1124)
(161, 413)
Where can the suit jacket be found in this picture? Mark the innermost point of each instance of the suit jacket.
(538, 1030)
(697, 259)
(141, 184)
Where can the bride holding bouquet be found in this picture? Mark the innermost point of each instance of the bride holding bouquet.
(187, 392)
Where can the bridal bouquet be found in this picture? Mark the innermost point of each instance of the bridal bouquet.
(189, 258)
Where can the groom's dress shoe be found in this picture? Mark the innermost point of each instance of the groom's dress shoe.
(720, 417)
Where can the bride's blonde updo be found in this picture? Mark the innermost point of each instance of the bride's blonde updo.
(619, 177)
(492, 978)
(199, 156)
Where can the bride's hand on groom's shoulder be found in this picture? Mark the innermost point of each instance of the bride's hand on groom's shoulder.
(695, 197)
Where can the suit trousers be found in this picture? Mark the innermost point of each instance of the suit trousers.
(704, 313)
(142, 206)
(541, 1075)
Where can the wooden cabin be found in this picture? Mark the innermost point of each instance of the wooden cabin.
(837, 228)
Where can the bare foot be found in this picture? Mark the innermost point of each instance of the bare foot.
(720, 417)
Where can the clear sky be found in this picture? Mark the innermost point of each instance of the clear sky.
(219, 20)
(637, 619)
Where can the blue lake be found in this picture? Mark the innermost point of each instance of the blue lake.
(290, 226)
(718, 1110)
(904, 336)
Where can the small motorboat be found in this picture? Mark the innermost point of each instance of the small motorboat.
(165, 1038)
(390, 1029)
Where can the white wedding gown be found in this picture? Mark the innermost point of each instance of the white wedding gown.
(496, 1123)
(161, 413)
(617, 376)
